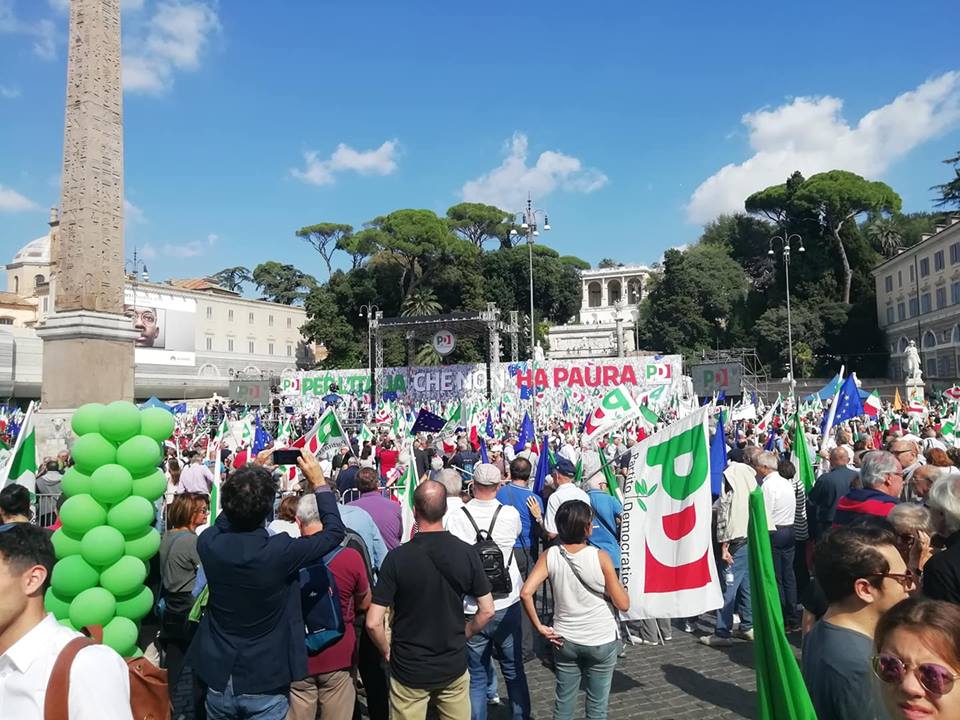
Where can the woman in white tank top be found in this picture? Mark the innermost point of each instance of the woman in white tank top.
(584, 633)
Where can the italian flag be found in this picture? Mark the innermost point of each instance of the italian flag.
(800, 454)
(650, 418)
(22, 467)
(217, 469)
(407, 485)
(872, 405)
(366, 435)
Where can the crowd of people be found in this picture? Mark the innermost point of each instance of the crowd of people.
(496, 571)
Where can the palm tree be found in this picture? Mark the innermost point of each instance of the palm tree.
(421, 301)
(884, 234)
(427, 356)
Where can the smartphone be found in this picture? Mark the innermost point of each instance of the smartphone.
(286, 456)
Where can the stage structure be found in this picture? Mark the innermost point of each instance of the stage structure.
(468, 323)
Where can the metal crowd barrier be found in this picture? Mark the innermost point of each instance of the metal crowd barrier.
(45, 509)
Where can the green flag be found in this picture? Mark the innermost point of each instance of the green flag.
(781, 692)
(578, 471)
(800, 454)
(22, 467)
(613, 487)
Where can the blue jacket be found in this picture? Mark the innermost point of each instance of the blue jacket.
(253, 629)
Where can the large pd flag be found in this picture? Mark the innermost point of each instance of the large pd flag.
(667, 561)
(616, 408)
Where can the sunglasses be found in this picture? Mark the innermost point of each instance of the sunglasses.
(935, 679)
(908, 579)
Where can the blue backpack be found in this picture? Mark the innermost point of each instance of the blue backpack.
(320, 603)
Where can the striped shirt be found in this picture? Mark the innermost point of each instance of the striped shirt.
(800, 528)
(861, 503)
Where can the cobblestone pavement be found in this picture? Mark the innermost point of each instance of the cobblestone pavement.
(681, 679)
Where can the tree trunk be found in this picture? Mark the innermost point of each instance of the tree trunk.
(847, 273)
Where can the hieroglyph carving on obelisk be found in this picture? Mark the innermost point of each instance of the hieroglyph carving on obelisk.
(89, 251)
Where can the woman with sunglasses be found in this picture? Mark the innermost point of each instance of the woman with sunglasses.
(918, 660)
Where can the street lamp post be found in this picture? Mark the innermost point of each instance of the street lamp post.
(785, 241)
(369, 312)
(136, 269)
(529, 226)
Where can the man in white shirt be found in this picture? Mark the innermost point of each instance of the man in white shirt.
(504, 631)
(780, 498)
(195, 478)
(31, 640)
(566, 491)
(453, 482)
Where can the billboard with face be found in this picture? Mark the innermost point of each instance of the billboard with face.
(165, 323)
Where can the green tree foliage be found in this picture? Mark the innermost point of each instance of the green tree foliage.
(478, 223)
(232, 278)
(325, 238)
(770, 331)
(282, 284)
(608, 263)
(422, 301)
(359, 246)
(949, 192)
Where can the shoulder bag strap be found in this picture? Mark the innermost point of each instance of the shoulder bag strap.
(576, 572)
(603, 522)
(56, 703)
(472, 522)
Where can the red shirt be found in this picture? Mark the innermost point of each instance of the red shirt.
(388, 460)
(351, 576)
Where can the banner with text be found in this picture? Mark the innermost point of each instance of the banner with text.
(417, 384)
(667, 563)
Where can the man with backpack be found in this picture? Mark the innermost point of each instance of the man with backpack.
(329, 685)
(493, 528)
(32, 640)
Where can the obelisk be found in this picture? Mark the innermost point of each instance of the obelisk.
(88, 343)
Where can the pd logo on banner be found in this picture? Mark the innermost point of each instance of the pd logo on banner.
(616, 408)
(667, 563)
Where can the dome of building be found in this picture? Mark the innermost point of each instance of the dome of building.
(35, 252)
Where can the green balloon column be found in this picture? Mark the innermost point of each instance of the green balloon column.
(106, 540)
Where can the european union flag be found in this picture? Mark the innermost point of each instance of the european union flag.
(718, 459)
(483, 452)
(179, 409)
(722, 397)
(260, 437)
(489, 429)
(526, 433)
(566, 407)
(427, 422)
(543, 468)
(846, 405)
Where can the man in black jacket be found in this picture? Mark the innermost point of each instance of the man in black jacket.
(829, 488)
(251, 642)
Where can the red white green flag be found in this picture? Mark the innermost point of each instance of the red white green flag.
(22, 466)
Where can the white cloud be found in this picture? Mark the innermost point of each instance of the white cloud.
(11, 201)
(187, 250)
(133, 214)
(809, 134)
(381, 161)
(148, 252)
(8, 92)
(173, 39)
(43, 31)
(508, 184)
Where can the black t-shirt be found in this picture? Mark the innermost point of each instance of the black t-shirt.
(425, 581)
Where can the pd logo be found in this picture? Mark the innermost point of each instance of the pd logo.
(719, 379)
(659, 371)
(290, 385)
(444, 342)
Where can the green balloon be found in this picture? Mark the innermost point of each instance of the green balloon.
(91, 451)
(156, 423)
(135, 606)
(120, 421)
(75, 482)
(81, 513)
(131, 516)
(86, 419)
(66, 623)
(109, 484)
(102, 546)
(133, 653)
(143, 546)
(92, 607)
(56, 605)
(73, 575)
(121, 634)
(65, 544)
(140, 455)
(124, 577)
(151, 486)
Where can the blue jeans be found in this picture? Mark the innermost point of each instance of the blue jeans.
(228, 706)
(783, 545)
(504, 632)
(736, 595)
(596, 663)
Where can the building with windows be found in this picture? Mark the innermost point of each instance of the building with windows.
(195, 336)
(606, 323)
(918, 298)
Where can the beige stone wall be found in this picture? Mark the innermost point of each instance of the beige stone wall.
(77, 371)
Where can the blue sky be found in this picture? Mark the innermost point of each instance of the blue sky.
(631, 123)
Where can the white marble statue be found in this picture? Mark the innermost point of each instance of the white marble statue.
(538, 354)
(914, 373)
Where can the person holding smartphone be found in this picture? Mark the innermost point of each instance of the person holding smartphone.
(587, 595)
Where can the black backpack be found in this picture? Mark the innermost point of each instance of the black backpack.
(491, 556)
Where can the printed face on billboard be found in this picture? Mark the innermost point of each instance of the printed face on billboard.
(149, 321)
